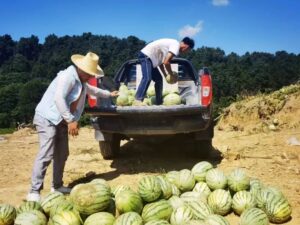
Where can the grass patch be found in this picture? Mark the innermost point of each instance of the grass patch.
(7, 130)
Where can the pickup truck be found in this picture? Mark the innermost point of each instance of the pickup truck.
(190, 121)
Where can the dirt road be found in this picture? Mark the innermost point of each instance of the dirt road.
(265, 156)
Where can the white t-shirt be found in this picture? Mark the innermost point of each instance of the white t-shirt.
(158, 50)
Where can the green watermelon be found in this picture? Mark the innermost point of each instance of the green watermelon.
(200, 169)
(193, 196)
(220, 201)
(181, 215)
(172, 176)
(238, 180)
(129, 218)
(157, 222)
(185, 180)
(254, 216)
(50, 200)
(128, 201)
(33, 217)
(202, 188)
(200, 210)
(278, 210)
(149, 188)
(176, 202)
(28, 206)
(100, 218)
(119, 188)
(166, 187)
(64, 205)
(8, 214)
(160, 210)
(242, 200)
(66, 218)
(90, 198)
(216, 179)
(215, 219)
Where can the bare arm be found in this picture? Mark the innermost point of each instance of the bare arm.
(167, 63)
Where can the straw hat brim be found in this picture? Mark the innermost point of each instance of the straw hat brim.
(77, 60)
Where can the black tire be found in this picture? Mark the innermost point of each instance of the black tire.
(110, 149)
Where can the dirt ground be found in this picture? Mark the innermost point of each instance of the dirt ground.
(270, 153)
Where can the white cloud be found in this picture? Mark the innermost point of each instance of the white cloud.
(190, 31)
(220, 2)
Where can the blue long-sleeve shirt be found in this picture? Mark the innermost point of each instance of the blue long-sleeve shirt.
(63, 90)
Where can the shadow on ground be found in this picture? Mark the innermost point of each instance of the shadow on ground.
(141, 157)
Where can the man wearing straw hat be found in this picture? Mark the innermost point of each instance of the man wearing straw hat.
(57, 115)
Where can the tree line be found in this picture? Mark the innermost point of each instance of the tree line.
(27, 67)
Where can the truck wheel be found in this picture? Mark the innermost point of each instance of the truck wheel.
(109, 149)
(203, 148)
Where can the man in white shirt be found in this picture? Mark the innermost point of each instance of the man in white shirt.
(156, 54)
(57, 115)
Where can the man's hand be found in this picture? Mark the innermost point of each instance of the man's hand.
(114, 93)
(73, 128)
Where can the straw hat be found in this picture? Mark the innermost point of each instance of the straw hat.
(88, 63)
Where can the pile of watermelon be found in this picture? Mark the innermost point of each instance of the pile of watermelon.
(203, 195)
(127, 96)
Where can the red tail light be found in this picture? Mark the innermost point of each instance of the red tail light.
(92, 100)
(206, 87)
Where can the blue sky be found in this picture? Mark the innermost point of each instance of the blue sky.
(232, 25)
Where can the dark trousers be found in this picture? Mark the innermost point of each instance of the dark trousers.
(149, 73)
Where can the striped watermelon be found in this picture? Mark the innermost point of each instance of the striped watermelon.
(220, 201)
(176, 202)
(185, 180)
(278, 210)
(34, 217)
(190, 196)
(275, 191)
(175, 190)
(243, 200)
(238, 180)
(160, 210)
(196, 222)
(66, 218)
(172, 176)
(149, 188)
(50, 200)
(200, 169)
(8, 214)
(101, 181)
(215, 219)
(28, 206)
(157, 222)
(200, 210)
(216, 179)
(166, 187)
(100, 218)
(119, 188)
(64, 205)
(129, 218)
(129, 201)
(203, 188)
(254, 216)
(255, 186)
(90, 198)
(263, 196)
(181, 215)
(112, 207)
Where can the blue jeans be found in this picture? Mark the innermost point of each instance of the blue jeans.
(149, 73)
